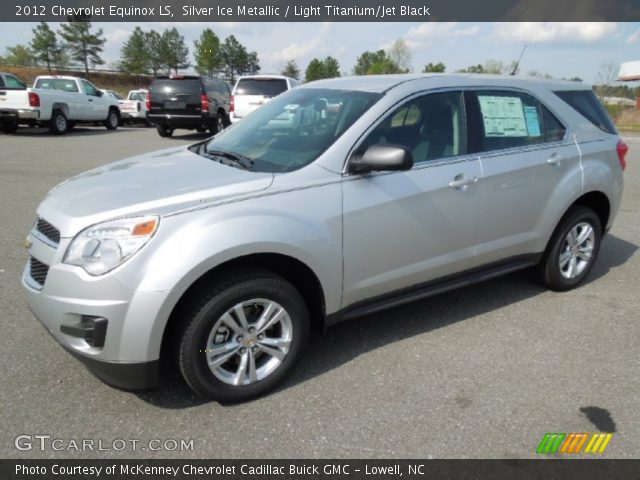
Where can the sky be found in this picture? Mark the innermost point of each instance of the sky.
(559, 49)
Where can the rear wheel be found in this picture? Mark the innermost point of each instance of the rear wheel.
(572, 250)
(164, 131)
(243, 337)
(58, 125)
(201, 129)
(113, 119)
(219, 125)
(11, 127)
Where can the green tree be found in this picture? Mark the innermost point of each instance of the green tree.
(154, 49)
(20, 55)
(134, 54)
(291, 70)
(174, 50)
(327, 68)
(315, 70)
(434, 68)
(207, 53)
(375, 63)
(236, 60)
(331, 67)
(44, 45)
(83, 45)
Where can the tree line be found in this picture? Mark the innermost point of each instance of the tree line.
(153, 52)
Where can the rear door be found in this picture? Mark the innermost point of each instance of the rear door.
(525, 153)
(252, 92)
(176, 96)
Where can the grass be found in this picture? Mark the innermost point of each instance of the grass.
(118, 82)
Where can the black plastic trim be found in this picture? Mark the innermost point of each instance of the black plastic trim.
(125, 376)
(433, 287)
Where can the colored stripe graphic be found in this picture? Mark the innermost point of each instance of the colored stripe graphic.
(574, 443)
(598, 443)
(551, 442)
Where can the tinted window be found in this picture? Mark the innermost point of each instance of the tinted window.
(269, 87)
(431, 126)
(587, 104)
(292, 130)
(1, 81)
(509, 119)
(186, 86)
(89, 89)
(13, 82)
(553, 130)
(216, 86)
(57, 84)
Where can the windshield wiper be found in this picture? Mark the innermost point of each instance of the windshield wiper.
(245, 162)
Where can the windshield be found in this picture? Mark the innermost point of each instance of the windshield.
(292, 130)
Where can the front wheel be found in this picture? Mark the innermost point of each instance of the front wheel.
(572, 250)
(243, 337)
(113, 120)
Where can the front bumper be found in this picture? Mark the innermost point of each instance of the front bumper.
(112, 329)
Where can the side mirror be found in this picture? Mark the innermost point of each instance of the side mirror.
(382, 158)
(99, 93)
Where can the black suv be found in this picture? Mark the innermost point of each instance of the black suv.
(190, 102)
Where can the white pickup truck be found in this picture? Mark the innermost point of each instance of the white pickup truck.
(58, 102)
(134, 108)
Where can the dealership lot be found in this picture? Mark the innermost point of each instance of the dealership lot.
(481, 372)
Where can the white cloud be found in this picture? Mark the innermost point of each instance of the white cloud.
(540, 32)
(117, 36)
(431, 30)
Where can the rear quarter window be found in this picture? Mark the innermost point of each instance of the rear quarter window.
(587, 104)
(269, 87)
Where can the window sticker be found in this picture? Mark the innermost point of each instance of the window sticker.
(533, 121)
(503, 116)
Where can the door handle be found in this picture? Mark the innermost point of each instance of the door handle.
(90, 99)
(555, 159)
(461, 181)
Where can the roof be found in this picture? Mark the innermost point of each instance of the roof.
(382, 83)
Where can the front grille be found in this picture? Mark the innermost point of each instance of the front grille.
(38, 271)
(48, 230)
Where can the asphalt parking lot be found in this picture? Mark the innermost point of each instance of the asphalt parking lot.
(482, 372)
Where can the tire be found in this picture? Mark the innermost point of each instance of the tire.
(219, 125)
(58, 125)
(201, 129)
(9, 127)
(164, 131)
(252, 293)
(566, 262)
(113, 119)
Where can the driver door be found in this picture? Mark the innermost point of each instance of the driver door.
(97, 103)
(405, 228)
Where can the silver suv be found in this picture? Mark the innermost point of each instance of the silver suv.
(334, 200)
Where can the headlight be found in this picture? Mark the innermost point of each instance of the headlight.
(102, 247)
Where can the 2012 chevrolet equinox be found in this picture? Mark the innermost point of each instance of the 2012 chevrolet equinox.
(334, 200)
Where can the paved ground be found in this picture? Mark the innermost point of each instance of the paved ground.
(481, 372)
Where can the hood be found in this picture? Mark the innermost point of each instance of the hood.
(156, 183)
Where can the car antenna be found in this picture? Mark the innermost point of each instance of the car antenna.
(515, 67)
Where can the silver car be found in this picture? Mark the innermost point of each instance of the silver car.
(334, 200)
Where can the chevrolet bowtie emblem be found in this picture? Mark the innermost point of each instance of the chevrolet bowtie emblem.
(27, 243)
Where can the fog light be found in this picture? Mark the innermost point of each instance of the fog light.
(92, 330)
